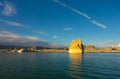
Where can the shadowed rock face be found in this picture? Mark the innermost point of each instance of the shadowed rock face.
(76, 46)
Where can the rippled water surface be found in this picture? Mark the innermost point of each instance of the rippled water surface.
(59, 66)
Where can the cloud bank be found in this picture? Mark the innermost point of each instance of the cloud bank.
(15, 39)
(9, 38)
(81, 13)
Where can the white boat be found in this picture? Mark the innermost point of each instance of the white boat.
(20, 50)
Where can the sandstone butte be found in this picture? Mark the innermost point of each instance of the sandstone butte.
(76, 46)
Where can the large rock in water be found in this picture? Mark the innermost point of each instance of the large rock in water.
(76, 46)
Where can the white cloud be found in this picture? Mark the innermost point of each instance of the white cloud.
(98, 24)
(72, 9)
(67, 29)
(12, 23)
(40, 32)
(108, 43)
(81, 13)
(63, 4)
(32, 38)
(118, 45)
(54, 37)
(1, 4)
(15, 39)
(8, 9)
(9, 38)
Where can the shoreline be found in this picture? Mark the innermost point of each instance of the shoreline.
(57, 51)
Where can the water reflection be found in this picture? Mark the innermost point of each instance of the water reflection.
(75, 65)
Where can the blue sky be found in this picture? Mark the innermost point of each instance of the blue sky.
(57, 22)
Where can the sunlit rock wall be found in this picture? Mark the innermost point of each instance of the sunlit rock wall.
(76, 46)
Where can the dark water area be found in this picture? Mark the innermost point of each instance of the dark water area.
(59, 66)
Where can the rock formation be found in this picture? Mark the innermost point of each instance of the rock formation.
(90, 48)
(76, 46)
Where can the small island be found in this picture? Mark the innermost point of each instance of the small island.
(76, 46)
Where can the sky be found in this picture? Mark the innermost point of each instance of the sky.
(56, 23)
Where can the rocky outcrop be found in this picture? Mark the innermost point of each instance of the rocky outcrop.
(117, 48)
(107, 49)
(76, 46)
(90, 48)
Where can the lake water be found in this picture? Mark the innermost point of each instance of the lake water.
(59, 66)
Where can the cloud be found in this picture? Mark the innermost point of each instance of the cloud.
(40, 32)
(81, 13)
(12, 23)
(63, 4)
(15, 39)
(9, 38)
(119, 45)
(54, 37)
(72, 9)
(108, 43)
(1, 4)
(8, 9)
(68, 29)
(98, 24)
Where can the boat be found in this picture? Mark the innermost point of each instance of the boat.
(76, 46)
(20, 50)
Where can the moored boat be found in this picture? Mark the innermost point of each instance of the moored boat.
(20, 50)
